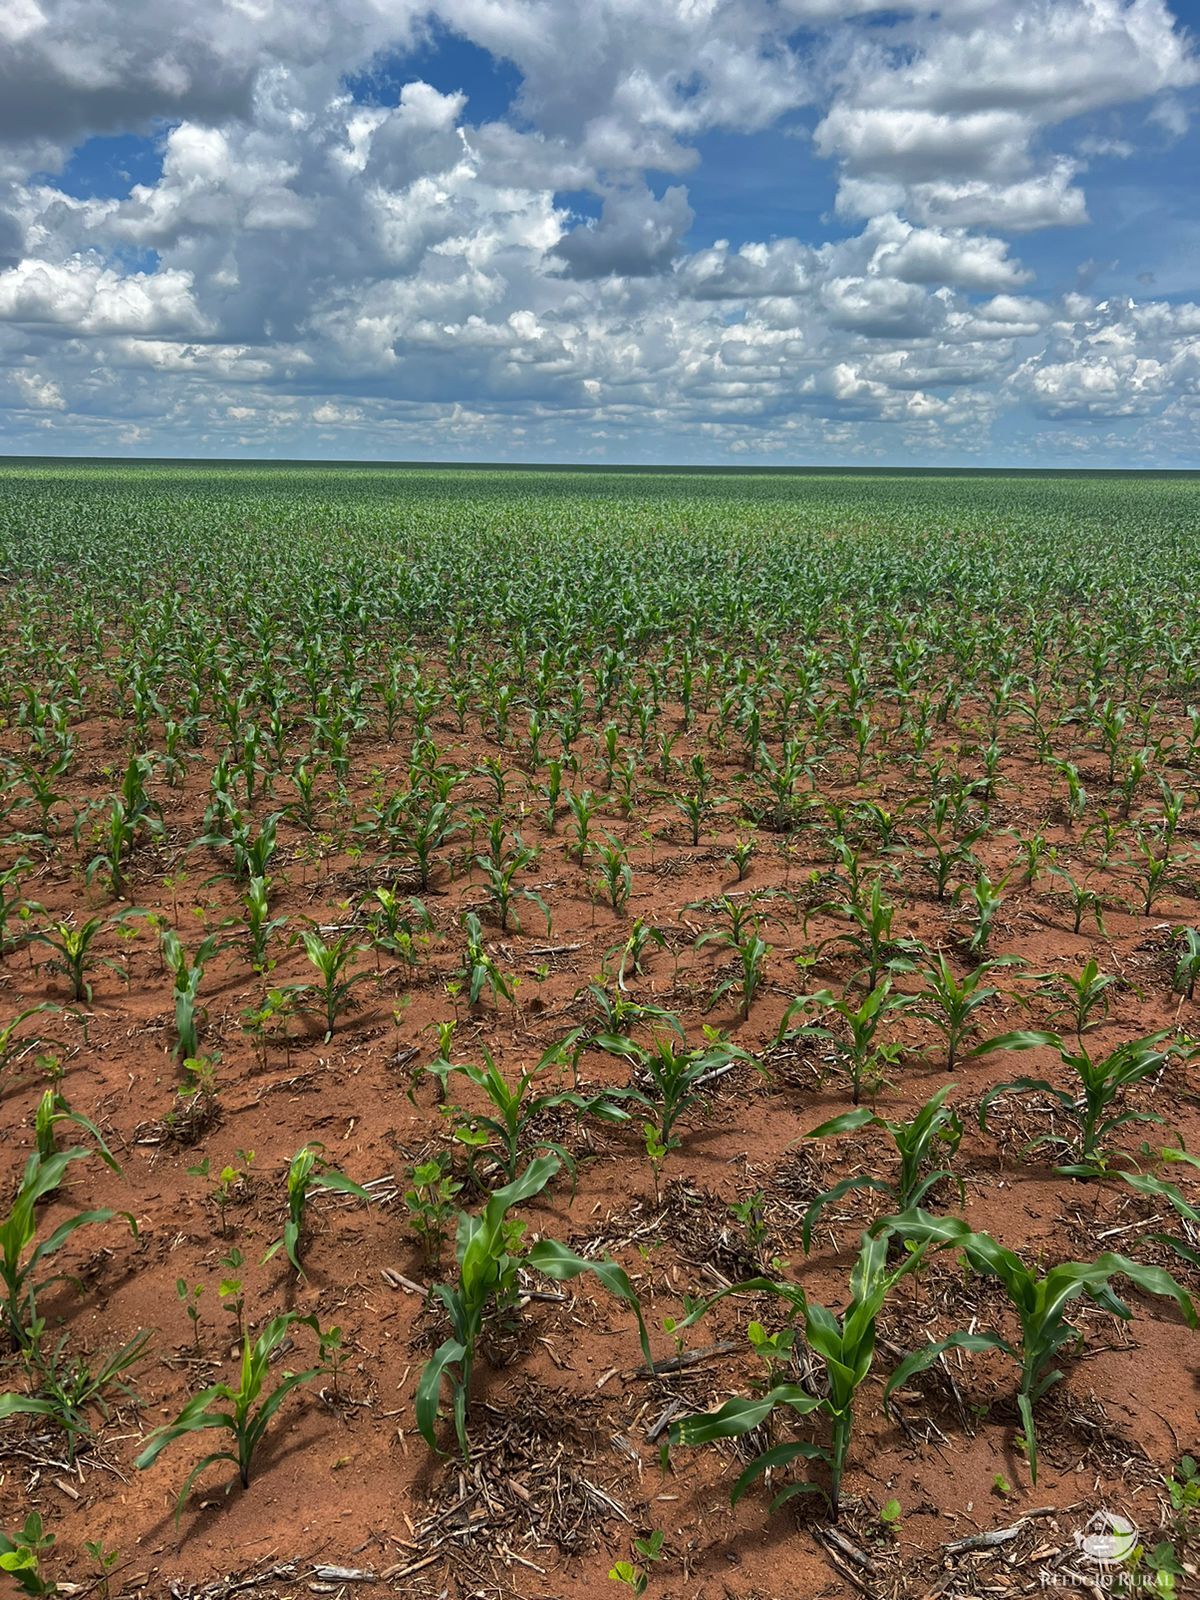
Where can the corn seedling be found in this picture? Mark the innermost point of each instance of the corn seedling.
(583, 806)
(633, 950)
(1082, 899)
(22, 1253)
(845, 1346)
(1041, 1304)
(950, 1003)
(696, 807)
(398, 925)
(117, 840)
(741, 856)
(988, 898)
(244, 1412)
(72, 947)
(1187, 969)
(616, 875)
(871, 936)
(1156, 875)
(330, 995)
(516, 1107)
(863, 1056)
(307, 1172)
(260, 925)
(488, 1253)
(499, 874)
(673, 1076)
(935, 1131)
(752, 955)
(53, 1110)
(187, 974)
(479, 971)
(1082, 998)
(1094, 1107)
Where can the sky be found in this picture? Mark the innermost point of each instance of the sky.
(776, 232)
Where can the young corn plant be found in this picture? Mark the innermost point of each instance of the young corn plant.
(260, 925)
(425, 832)
(632, 952)
(1187, 969)
(695, 807)
(1041, 1304)
(1082, 899)
(1075, 805)
(67, 1387)
(72, 947)
(1095, 1107)
(871, 936)
(187, 974)
(933, 1133)
(499, 875)
(244, 1412)
(988, 898)
(950, 1003)
(515, 1109)
(583, 805)
(398, 925)
(948, 857)
(22, 1253)
(479, 970)
(845, 1347)
(308, 1173)
(748, 979)
(489, 1256)
(616, 875)
(1157, 873)
(741, 856)
(117, 840)
(53, 1110)
(1082, 998)
(251, 852)
(330, 995)
(861, 1053)
(672, 1075)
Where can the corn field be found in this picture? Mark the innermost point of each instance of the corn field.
(565, 1032)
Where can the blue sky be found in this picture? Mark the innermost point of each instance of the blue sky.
(743, 231)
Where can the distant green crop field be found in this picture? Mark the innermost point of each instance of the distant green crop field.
(583, 555)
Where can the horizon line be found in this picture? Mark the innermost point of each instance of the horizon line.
(19, 458)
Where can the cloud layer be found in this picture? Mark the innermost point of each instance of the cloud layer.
(337, 255)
